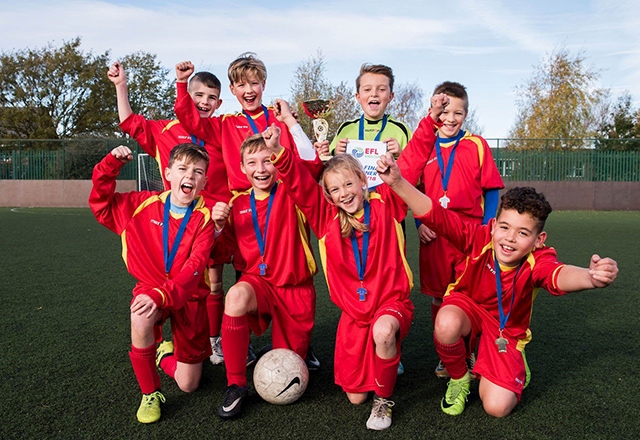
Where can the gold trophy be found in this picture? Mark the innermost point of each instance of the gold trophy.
(317, 110)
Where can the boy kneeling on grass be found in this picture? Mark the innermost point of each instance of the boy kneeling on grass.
(167, 239)
(507, 262)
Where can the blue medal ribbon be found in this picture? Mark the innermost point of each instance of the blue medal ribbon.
(252, 123)
(445, 174)
(361, 262)
(262, 236)
(361, 128)
(198, 142)
(504, 318)
(170, 255)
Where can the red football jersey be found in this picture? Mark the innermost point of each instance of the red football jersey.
(138, 218)
(230, 131)
(287, 253)
(387, 277)
(157, 138)
(478, 281)
(473, 172)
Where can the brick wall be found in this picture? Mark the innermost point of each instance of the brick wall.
(51, 193)
(563, 196)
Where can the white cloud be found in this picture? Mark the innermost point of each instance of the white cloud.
(490, 46)
(499, 19)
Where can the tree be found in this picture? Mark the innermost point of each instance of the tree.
(558, 101)
(344, 107)
(53, 92)
(620, 123)
(407, 104)
(471, 123)
(151, 92)
(309, 82)
(63, 92)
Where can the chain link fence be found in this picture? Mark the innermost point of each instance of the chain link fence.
(517, 159)
(66, 159)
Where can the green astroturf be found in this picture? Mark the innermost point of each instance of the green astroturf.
(65, 372)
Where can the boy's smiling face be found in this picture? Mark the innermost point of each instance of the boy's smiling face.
(248, 92)
(374, 95)
(452, 117)
(186, 179)
(259, 170)
(207, 99)
(514, 235)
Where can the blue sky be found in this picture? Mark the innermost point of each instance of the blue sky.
(490, 45)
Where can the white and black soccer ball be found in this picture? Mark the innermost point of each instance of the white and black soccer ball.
(280, 376)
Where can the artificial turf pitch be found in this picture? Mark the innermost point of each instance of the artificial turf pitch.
(65, 372)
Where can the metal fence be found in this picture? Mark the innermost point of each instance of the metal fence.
(59, 159)
(590, 160)
(517, 159)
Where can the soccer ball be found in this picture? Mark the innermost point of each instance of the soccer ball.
(280, 376)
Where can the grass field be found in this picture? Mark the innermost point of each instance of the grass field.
(65, 373)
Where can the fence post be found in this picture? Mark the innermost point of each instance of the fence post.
(64, 161)
(17, 169)
(546, 162)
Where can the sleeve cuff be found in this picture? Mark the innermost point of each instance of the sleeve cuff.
(275, 157)
(159, 299)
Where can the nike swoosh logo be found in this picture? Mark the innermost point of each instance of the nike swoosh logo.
(232, 406)
(446, 404)
(295, 380)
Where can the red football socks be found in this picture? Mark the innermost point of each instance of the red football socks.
(143, 361)
(235, 341)
(454, 357)
(169, 365)
(386, 373)
(215, 310)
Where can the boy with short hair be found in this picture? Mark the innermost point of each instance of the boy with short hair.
(462, 176)
(157, 138)
(167, 239)
(247, 77)
(506, 263)
(374, 92)
(277, 279)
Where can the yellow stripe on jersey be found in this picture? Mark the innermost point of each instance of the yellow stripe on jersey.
(473, 138)
(170, 124)
(488, 247)
(206, 212)
(322, 249)
(166, 128)
(153, 199)
(162, 197)
(311, 262)
(476, 140)
(236, 194)
(401, 249)
(123, 237)
(451, 286)
(524, 341)
(200, 207)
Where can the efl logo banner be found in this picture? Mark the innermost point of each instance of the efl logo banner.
(368, 153)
